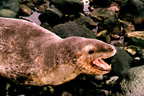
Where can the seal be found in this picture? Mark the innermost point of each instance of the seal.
(32, 55)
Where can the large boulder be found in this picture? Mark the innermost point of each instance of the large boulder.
(121, 62)
(72, 29)
(131, 84)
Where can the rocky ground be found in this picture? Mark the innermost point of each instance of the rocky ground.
(118, 22)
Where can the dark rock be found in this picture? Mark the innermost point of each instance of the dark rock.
(132, 6)
(133, 10)
(9, 8)
(102, 13)
(68, 6)
(30, 5)
(121, 62)
(36, 1)
(72, 29)
(102, 3)
(119, 44)
(109, 24)
(46, 25)
(131, 83)
(86, 21)
(25, 1)
(52, 15)
(39, 2)
(140, 54)
(139, 42)
(42, 7)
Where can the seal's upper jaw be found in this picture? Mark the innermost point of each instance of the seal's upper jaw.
(100, 64)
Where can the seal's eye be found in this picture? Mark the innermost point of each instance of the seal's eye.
(91, 52)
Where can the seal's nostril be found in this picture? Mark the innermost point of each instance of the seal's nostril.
(109, 48)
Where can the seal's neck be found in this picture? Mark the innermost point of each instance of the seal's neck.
(59, 75)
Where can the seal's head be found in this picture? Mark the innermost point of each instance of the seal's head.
(88, 54)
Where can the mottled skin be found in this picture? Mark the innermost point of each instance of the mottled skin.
(32, 55)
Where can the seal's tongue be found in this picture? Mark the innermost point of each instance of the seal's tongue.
(102, 65)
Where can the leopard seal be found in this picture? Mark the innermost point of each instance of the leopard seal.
(32, 55)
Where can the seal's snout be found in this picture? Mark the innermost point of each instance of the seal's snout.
(109, 48)
(113, 49)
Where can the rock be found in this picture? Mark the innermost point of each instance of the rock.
(133, 10)
(114, 7)
(139, 42)
(25, 1)
(131, 49)
(112, 80)
(66, 94)
(102, 35)
(42, 7)
(108, 39)
(115, 36)
(25, 11)
(131, 83)
(139, 34)
(140, 54)
(52, 15)
(46, 25)
(30, 5)
(119, 44)
(72, 29)
(36, 1)
(102, 3)
(132, 6)
(121, 62)
(102, 13)
(127, 26)
(86, 21)
(100, 77)
(7, 13)
(68, 6)
(111, 24)
(9, 8)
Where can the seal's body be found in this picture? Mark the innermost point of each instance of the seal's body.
(32, 55)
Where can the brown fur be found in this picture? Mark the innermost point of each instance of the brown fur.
(30, 54)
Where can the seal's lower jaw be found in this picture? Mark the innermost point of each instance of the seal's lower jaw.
(101, 65)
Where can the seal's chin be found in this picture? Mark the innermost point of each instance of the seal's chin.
(101, 65)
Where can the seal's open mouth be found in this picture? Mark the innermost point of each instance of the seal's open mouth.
(102, 65)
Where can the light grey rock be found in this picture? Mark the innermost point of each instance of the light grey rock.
(131, 84)
(9, 8)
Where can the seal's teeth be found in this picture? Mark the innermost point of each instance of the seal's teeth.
(110, 65)
(101, 64)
